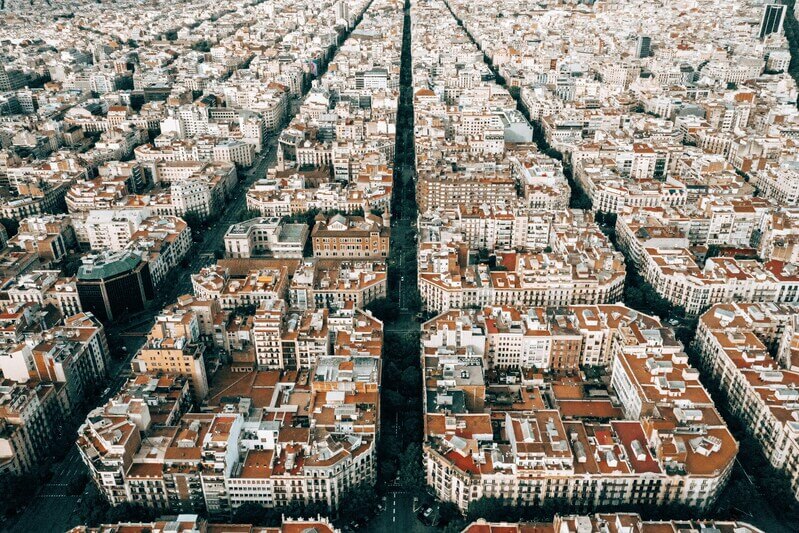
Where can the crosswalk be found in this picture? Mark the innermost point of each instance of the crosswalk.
(395, 488)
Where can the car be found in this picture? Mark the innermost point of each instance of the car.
(425, 514)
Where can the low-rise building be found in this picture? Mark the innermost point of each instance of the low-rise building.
(265, 237)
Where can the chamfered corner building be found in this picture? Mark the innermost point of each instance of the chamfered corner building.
(111, 284)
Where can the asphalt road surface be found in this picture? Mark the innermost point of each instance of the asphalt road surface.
(212, 239)
(52, 509)
(397, 515)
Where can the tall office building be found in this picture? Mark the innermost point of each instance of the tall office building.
(114, 283)
(11, 80)
(342, 10)
(773, 18)
(644, 47)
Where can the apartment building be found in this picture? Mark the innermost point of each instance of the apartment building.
(264, 436)
(301, 192)
(449, 186)
(192, 523)
(595, 523)
(166, 241)
(111, 229)
(212, 319)
(335, 284)
(661, 249)
(648, 435)
(290, 341)
(204, 149)
(748, 352)
(779, 183)
(46, 379)
(529, 279)
(351, 237)
(51, 237)
(572, 262)
(111, 435)
(174, 346)
(250, 289)
(28, 420)
(33, 200)
(42, 287)
(74, 355)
